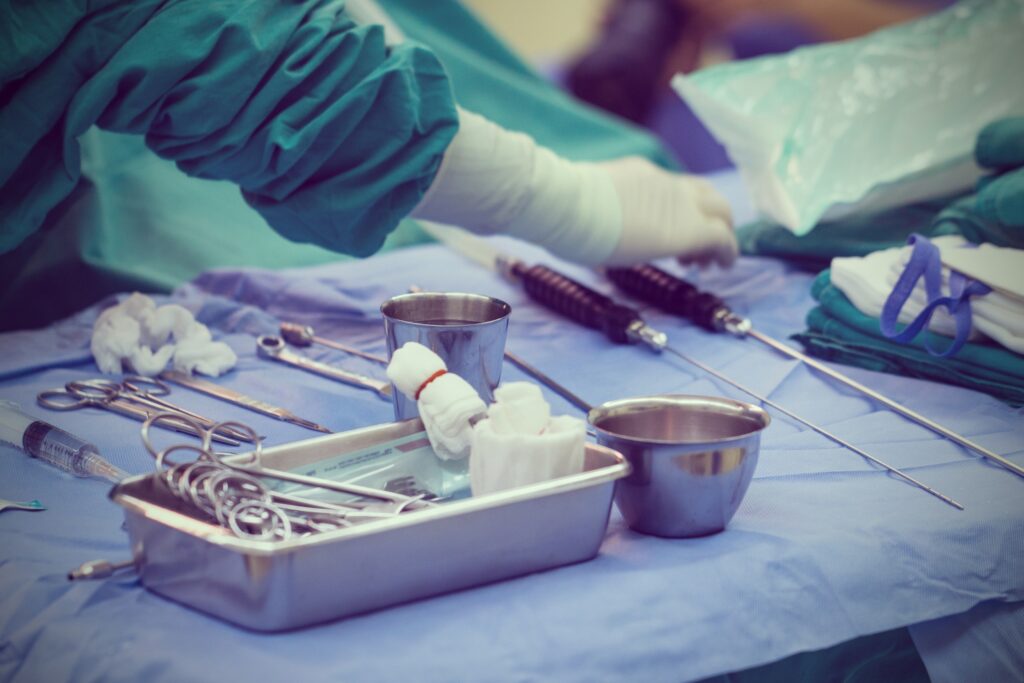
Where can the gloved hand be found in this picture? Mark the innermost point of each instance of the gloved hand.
(616, 212)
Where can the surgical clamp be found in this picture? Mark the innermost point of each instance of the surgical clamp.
(85, 394)
(275, 349)
(304, 335)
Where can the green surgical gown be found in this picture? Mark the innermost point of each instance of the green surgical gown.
(129, 128)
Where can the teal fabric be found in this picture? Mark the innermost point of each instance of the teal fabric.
(994, 214)
(1002, 200)
(854, 236)
(861, 235)
(837, 331)
(490, 79)
(135, 220)
(1000, 144)
(332, 137)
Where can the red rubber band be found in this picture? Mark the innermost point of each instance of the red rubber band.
(428, 381)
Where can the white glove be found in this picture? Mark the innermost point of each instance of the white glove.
(617, 212)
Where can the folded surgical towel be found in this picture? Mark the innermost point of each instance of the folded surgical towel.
(521, 443)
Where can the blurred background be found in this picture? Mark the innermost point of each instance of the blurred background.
(619, 55)
(541, 31)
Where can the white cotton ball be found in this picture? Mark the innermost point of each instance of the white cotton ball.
(411, 366)
(138, 305)
(107, 360)
(179, 320)
(203, 356)
(145, 362)
(115, 336)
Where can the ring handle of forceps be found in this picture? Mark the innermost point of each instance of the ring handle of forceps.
(140, 384)
(71, 399)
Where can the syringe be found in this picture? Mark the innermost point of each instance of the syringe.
(55, 446)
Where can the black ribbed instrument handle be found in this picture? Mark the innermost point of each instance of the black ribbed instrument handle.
(578, 302)
(669, 293)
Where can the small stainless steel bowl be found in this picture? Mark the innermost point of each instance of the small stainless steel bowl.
(692, 456)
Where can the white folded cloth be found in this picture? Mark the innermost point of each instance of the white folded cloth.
(869, 280)
(140, 337)
(521, 444)
(447, 403)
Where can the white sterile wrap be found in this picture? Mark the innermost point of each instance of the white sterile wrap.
(867, 282)
(446, 403)
(623, 211)
(520, 443)
(137, 335)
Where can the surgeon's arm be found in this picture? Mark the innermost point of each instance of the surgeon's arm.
(621, 211)
(332, 136)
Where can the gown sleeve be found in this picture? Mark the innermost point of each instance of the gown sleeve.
(331, 135)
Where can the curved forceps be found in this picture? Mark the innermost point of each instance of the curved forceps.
(149, 391)
(256, 469)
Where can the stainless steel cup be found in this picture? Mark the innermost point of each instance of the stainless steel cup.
(467, 330)
(692, 457)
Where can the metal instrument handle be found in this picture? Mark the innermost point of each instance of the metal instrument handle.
(274, 347)
(230, 395)
(62, 399)
(621, 324)
(150, 386)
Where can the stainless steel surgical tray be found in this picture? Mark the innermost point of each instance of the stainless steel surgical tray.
(272, 586)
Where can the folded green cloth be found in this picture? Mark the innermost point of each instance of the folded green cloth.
(854, 236)
(838, 332)
(1001, 199)
(1000, 144)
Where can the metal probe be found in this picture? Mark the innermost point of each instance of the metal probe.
(679, 297)
(621, 324)
(304, 335)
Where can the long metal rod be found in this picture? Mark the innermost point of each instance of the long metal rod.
(888, 402)
(239, 399)
(548, 382)
(842, 442)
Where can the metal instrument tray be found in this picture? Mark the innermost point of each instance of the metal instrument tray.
(273, 586)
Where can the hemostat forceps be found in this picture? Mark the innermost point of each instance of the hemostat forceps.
(110, 395)
(236, 495)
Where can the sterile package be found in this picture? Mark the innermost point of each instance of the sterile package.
(866, 124)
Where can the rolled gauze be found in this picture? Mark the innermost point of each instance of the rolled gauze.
(446, 402)
(520, 443)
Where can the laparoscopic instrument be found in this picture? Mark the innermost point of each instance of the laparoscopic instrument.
(275, 348)
(48, 443)
(231, 396)
(621, 324)
(128, 399)
(679, 297)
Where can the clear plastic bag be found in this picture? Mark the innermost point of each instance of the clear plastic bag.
(867, 124)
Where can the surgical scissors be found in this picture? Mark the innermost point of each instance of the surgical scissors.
(129, 402)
